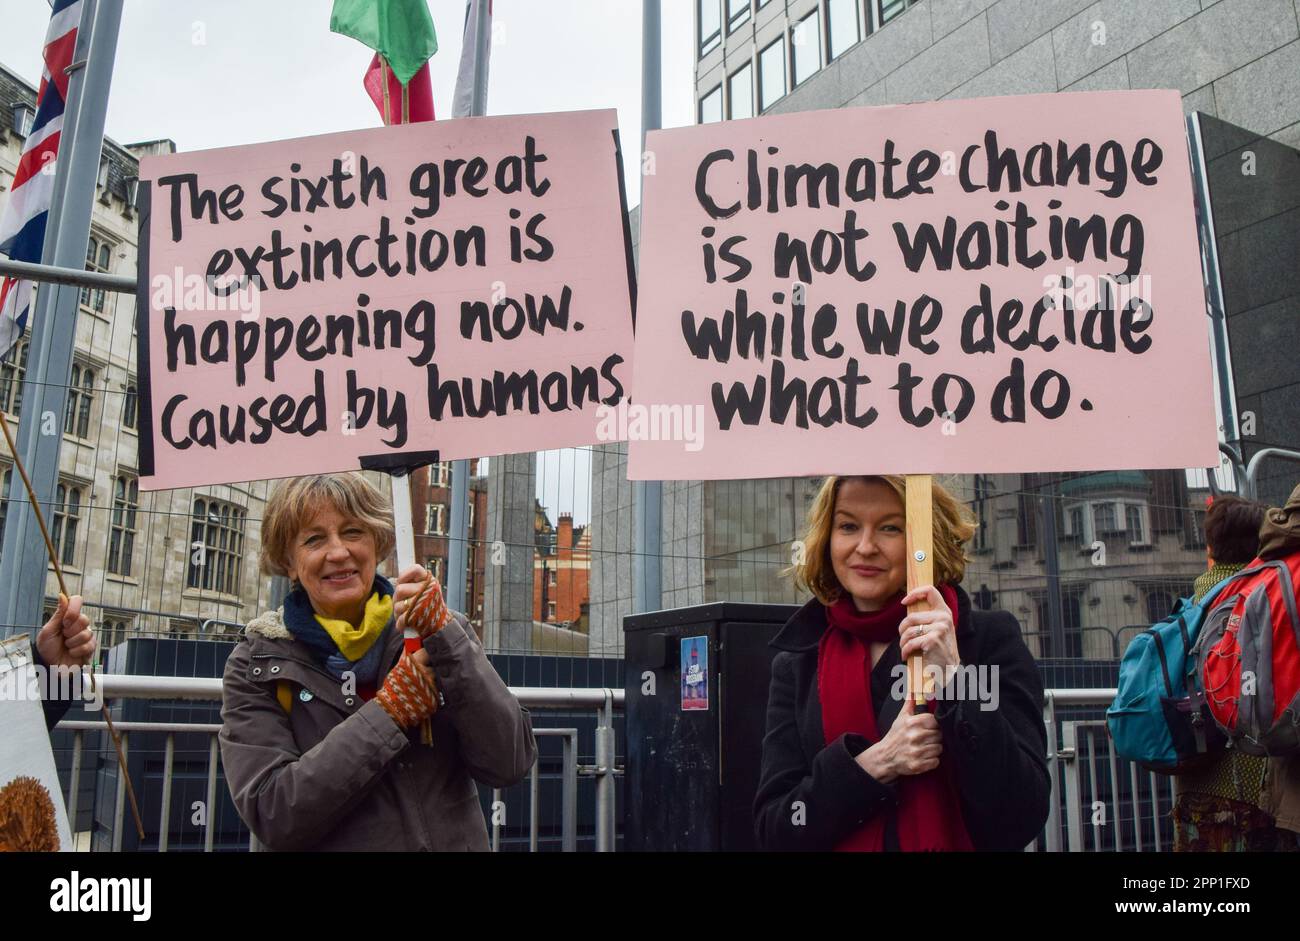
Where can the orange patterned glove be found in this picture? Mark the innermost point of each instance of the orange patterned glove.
(427, 613)
(408, 694)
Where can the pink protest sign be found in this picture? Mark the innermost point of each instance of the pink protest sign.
(992, 285)
(371, 297)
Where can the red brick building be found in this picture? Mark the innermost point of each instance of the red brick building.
(562, 574)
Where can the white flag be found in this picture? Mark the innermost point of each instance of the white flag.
(463, 102)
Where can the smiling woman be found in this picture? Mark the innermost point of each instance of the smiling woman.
(963, 772)
(320, 702)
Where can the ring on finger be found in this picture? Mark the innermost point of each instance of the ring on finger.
(918, 630)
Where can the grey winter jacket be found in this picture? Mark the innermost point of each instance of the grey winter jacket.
(336, 773)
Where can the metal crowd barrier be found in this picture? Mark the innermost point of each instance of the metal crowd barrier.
(603, 702)
(1099, 802)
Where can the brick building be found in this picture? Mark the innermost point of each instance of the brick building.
(562, 575)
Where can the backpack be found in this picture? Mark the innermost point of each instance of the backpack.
(1158, 718)
(1253, 632)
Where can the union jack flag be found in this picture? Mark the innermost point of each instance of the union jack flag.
(22, 224)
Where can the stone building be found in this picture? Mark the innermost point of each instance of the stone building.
(1237, 60)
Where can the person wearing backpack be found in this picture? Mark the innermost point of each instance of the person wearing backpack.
(1218, 808)
(1279, 538)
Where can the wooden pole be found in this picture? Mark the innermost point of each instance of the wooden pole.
(63, 597)
(383, 76)
(919, 509)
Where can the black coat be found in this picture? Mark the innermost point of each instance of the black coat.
(1000, 754)
(55, 709)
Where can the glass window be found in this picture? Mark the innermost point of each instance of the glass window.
(129, 406)
(1133, 523)
(12, 370)
(740, 92)
(771, 74)
(67, 515)
(888, 9)
(216, 546)
(1103, 518)
(842, 27)
(737, 13)
(1076, 524)
(711, 106)
(115, 630)
(81, 395)
(121, 538)
(806, 47)
(99, 256)
(710, 25)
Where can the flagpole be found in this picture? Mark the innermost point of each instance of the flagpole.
(23, 568)
(648, 495)
(383, 75)
(458, 558)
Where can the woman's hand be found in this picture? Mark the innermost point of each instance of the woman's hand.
(912, 745)
(66, 640)
(929, 633)
(406, 587)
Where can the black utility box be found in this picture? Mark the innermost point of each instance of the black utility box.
(696, 706)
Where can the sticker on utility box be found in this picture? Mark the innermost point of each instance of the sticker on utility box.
(695, 673)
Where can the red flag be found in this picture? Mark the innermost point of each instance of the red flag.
(419, 105)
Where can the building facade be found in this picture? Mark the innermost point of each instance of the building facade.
(1119, 546)
(562, 574)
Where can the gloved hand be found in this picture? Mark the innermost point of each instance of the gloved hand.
(426, 612)
(409, 694)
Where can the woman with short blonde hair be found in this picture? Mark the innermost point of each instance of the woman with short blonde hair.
(966, 771)
(333, 736)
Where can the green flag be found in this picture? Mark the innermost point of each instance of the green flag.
(399, 30)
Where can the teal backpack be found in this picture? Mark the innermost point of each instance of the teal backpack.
(1159, 717)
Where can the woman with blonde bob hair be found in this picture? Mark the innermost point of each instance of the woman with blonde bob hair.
(325, 716)
(849, 761)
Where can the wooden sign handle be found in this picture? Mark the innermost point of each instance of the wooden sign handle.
(919, 509)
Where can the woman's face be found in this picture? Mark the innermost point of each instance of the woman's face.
(333, 558)
(869, 543)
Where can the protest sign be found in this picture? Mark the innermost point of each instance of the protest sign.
(312, 305)
(990, 285)
(32, 815)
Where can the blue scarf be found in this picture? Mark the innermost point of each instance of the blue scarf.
(300, 619)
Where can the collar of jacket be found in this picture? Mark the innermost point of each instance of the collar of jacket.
(804, 630)
(270, 636)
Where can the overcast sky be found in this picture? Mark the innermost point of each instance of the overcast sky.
(214, 73)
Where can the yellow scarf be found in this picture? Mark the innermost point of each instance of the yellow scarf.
(353, 642)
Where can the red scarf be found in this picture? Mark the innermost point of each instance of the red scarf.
(929, 807)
